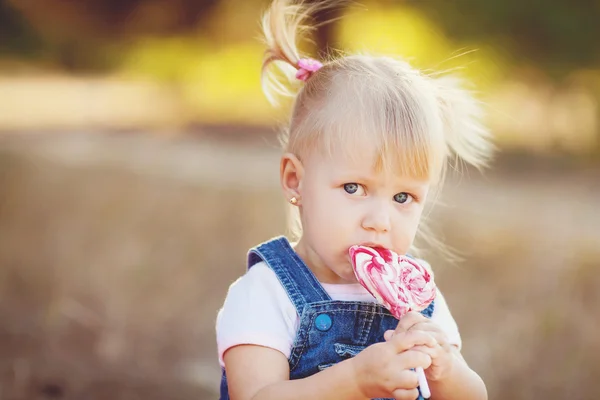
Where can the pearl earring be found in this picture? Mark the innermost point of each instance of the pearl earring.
(293, 201)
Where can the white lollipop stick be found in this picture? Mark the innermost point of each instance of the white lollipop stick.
(423, 383)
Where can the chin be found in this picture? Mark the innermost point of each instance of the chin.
(342, 267)
(347, 274)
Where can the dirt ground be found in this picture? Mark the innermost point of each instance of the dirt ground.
(116, 251)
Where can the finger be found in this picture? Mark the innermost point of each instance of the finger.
(387, 335)
(412, 359)
(406, 379)
(411, 318)
(403, 394)
(406, 340)
(432, 352)
(433, 329)
(428, 326)
(441, 343)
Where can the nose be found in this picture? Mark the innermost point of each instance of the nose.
(377, 218)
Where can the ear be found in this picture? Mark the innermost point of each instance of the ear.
(291, 173)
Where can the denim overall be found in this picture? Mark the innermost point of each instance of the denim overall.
(330, 331)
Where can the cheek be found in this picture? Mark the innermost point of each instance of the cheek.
(315, 204)
(406, 227)
(327, 208)
(327, 215)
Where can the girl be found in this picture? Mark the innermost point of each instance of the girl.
(368, 141)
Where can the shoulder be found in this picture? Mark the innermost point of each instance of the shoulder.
(441, 313)
(258, 279)
(442, 316)
(257, 311)
(258, 288)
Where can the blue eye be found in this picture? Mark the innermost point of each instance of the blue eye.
(354, 188)
(351, 188)
(403, 198)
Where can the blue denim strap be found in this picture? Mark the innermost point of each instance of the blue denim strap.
(296, 278)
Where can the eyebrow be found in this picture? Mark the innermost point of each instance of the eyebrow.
(407, 185)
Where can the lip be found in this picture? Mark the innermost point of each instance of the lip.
(372, 245)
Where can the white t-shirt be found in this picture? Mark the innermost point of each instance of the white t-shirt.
(258, 311)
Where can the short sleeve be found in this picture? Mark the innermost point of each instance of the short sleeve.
(256, 311)
(443, 317)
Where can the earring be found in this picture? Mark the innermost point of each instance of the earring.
(293, 201)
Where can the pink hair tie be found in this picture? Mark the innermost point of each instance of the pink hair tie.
(306, 67)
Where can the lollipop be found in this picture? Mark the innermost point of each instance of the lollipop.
(397, 282)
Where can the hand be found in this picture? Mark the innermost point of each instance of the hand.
(442, 353)
(384, 369)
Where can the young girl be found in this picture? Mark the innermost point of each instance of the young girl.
(368, 142)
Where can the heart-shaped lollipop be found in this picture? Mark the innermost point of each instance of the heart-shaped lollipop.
(398, 282)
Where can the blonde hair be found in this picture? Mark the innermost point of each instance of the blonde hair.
(420, 123)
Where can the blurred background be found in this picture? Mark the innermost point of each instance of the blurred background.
(139, 162)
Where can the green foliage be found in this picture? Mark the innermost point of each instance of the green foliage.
(555, 35)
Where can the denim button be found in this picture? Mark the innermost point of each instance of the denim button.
(323, 322)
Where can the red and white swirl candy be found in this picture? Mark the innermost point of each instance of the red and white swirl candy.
(398, 282)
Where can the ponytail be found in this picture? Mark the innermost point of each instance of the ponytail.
(467, 138)
(284, 24)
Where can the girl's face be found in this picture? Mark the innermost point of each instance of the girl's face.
(346, 201)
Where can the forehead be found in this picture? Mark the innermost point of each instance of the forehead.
(355, 154)
(366, 160)
(372, 154)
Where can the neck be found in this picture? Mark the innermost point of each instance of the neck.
(322, 272)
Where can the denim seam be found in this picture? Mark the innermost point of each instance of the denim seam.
(365, 307)
(366, 328)
(319, 291)
(353, 311)
(297, 351)
(343, 348)
(285, 278)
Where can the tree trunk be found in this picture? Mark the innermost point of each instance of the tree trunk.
(325, 33)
